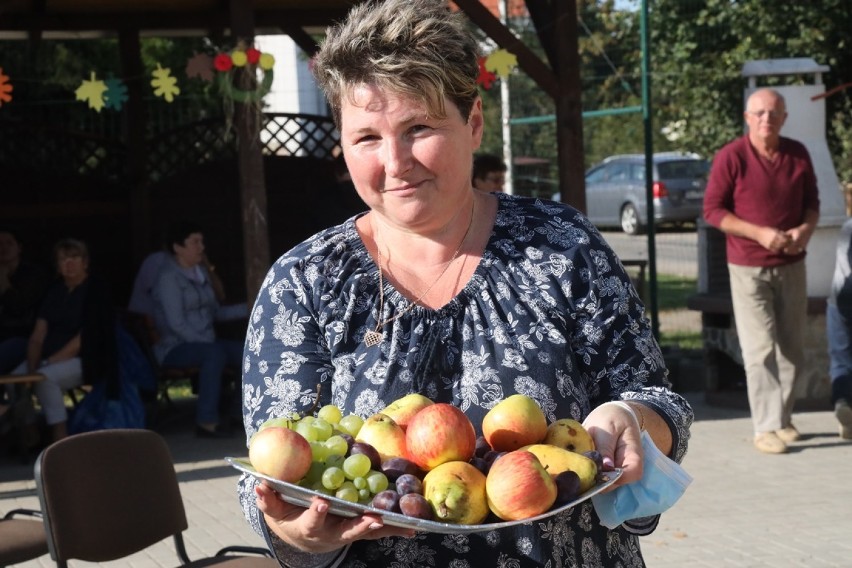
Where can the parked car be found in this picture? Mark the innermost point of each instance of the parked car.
(615, 190)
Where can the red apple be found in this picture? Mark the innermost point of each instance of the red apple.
(403, 409)
(515, 422)
(280, 453)
(518, 487)
(438, 434)
(384, 434)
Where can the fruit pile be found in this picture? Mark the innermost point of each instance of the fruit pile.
(424, 460)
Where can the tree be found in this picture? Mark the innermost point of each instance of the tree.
(699, 47)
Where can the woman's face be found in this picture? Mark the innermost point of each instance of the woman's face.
(192, 250)
(72, 265)
(406, 166)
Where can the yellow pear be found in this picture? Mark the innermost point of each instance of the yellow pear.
(556, 460)
(456, 491)
(570, 435)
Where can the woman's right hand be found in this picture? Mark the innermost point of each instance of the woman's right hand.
(313, 529)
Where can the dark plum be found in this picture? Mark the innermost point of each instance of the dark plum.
(370, 452)
(394, 467)
(482, 447)
(407, 483)
(491, 456)
(480, 464)
(567, 487)
(416, 505)
(349, 442)
(596, 457)
(387, 500)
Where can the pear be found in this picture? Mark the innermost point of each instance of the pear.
(456, 491)
(570, 435)
(556, 460)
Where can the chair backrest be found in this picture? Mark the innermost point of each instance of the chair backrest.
(108, 494)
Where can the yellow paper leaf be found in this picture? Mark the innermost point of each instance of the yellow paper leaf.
(92, 91)
(501, 62)
(164, 84)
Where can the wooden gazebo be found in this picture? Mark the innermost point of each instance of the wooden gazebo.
(131, 215)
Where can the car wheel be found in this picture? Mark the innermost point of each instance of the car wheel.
(630, 222)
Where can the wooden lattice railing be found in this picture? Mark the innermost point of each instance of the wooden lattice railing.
(24, 146)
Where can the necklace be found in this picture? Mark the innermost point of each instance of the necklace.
(374, 336)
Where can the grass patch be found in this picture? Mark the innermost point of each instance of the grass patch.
(672, 291)
(682, 339)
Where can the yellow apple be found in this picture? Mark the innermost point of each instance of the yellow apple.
(569, 434)
(403, 409)
(515, 422)
(384, 434)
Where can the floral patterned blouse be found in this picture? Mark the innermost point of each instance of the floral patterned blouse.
(549, 312)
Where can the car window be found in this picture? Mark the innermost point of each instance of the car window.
(637, 172)
(619, 172)
(682, 169)
(595, 176)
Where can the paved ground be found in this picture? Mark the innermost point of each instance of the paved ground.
(744, 509)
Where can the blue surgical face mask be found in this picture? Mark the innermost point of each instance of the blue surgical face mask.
(663, 482)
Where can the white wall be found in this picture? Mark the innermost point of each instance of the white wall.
(293, 88)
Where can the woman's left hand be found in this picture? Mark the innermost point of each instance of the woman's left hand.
(617, 437)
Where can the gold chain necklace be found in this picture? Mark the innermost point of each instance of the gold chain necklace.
(374, 336)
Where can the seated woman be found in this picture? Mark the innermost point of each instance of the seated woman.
(185, 309)
(72, 341)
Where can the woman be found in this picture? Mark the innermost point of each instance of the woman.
(72, 342)
(464, 296)
(185, 309)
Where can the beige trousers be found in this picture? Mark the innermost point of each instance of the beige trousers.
(770, 308)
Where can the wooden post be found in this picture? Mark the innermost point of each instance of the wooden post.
(252, 178)
(569, 109)
(134, 135)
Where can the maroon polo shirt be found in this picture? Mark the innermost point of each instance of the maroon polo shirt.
(775, 194)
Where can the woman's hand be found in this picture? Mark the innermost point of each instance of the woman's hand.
(313, 529)
(617, 437)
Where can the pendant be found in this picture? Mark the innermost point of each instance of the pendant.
(372, 338)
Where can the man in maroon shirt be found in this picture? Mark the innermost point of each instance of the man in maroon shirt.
(763, 195)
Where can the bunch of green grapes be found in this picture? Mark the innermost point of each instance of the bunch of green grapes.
(340, 467)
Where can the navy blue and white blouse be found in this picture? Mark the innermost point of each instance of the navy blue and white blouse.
(550, 313)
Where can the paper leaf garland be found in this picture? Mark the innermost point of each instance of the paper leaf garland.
(92, 91)
(251, 58)
(164, 84)
(200, 65)
(116, 94)
(486, 77)
(5, 88)
(501, 62)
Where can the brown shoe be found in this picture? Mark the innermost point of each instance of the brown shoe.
(789, 434)
(769, 443)
(843, 412)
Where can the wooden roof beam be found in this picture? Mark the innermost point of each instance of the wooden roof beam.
(527, 60)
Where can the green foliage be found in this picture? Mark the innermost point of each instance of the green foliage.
(699, 47)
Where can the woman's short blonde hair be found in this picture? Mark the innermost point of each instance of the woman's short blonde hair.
(414, 48)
